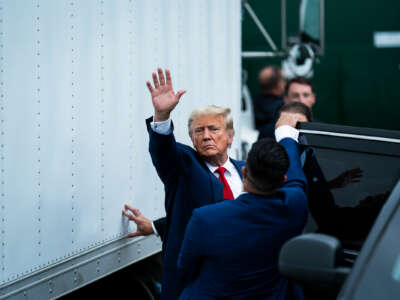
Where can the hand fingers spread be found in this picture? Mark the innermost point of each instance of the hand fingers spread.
(180, 93)
(161, 76)
(155, 80)
(149, 86)
(168, 75)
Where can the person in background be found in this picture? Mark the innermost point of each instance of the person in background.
(268, 102)
(268, 131)
(297, 90)
(232, 247)
(300, 89)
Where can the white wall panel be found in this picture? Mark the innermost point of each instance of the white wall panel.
(55, 130)
(20, 139)
(74, 146)
(86, 68)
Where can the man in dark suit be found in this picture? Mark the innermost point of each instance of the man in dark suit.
(233, 246)
(267, 103)
(191, 177)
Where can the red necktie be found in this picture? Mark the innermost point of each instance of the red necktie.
(227, 192)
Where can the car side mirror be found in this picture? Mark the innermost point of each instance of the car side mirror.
(313, 260)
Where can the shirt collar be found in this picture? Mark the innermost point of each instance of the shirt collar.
(228, 165)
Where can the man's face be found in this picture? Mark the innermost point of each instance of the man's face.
(210, 137)
(300, 93)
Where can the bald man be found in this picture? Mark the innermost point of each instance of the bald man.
(268, 102)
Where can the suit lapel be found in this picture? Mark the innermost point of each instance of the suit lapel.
(217, 188)
(216, 185)
(238, 165)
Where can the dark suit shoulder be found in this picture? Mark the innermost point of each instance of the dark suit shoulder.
(186, 148)
(210, 214)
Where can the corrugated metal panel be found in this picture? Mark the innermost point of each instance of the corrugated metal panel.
(73, 104)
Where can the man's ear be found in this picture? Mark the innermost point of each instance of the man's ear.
(313, 100)
(244, 173)
(231, 134)
(244, 177)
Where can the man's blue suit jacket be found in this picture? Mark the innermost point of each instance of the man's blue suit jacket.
(233, 246)
(188, 184)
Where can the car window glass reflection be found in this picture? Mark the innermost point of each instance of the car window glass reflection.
(347, 191)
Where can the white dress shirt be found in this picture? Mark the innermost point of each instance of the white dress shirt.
(232, 176)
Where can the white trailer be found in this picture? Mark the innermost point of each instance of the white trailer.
(74, 146)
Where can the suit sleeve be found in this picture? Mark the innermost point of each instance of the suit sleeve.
(164, 154)
(191, 252)
(160, 225)
(295, 187)
(295, 175)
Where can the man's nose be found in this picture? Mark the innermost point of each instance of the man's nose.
(206, 134)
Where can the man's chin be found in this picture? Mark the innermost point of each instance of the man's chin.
(209, 153)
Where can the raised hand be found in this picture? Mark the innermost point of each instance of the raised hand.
(345, 178)
(143, 225)
(162, 94)
(290, 118)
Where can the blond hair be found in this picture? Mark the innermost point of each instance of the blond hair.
(212, 110)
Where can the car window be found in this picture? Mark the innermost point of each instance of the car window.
(350, 179)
